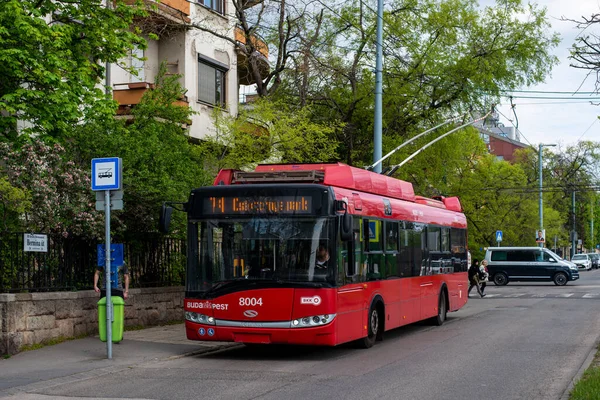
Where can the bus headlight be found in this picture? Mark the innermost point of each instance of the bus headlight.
(199, 318)
(314, 320)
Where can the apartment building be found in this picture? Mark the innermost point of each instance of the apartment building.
(210, 67)
(501, 141)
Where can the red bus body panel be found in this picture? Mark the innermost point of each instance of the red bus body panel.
(406, 300)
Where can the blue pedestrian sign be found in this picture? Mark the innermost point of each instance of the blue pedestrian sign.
(106, 173)
(498, 236)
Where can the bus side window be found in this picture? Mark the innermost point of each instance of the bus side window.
(391, 248)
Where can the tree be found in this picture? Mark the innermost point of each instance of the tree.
(59, 191)
(14, 202)
(269, 132)
(494, 196)
(52, 54)
(441, 58)
(585, 52)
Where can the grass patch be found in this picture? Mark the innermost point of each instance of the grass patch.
(49, 342)
(588, 387)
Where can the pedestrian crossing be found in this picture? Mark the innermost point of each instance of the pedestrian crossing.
(532, 295)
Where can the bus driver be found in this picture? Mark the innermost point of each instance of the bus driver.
(322, 257)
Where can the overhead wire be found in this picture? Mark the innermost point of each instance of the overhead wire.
(520, 133)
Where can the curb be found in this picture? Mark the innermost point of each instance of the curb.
(209, 350)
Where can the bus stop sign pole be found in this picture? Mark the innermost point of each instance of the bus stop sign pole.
(106, 176)
(107, 285)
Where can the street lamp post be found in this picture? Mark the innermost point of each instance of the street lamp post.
(540, 169)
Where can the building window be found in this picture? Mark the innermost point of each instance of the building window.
(215, 5)
(211, 82)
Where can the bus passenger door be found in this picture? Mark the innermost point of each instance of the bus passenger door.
(351, 293)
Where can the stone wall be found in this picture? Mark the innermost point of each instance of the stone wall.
(31, 318)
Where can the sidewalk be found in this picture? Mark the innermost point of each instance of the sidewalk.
(86, 358)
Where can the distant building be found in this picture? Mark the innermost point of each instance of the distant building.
(502, 141)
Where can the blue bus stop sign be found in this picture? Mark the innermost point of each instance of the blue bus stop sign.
(116, 260)
(498, 236)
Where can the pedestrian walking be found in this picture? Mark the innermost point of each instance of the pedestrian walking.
(474, 278)
(483, 275)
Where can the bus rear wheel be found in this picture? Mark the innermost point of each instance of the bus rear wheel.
(440, 318)
(374, 326)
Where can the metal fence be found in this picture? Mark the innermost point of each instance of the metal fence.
(70, 263)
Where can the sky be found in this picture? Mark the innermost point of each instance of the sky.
(565, 122)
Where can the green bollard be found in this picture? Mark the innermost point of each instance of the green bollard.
(118, 323)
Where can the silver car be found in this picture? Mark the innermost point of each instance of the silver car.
(582, 261)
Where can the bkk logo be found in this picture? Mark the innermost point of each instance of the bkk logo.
(250, 313)
(315, 300)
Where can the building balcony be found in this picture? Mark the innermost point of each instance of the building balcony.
(164, 12)
(128, 95)
(261, 53)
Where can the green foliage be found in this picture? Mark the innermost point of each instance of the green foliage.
(441, 58)
(51, 60)
(159, 162)
(492, 196)
(60, 200)
(269, 132)
(568, 170)
(14, 202)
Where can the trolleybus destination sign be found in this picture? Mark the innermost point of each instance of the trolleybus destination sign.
(258, 205)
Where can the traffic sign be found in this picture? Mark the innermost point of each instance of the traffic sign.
(114, 195)
(498, 236)
(114, 204)
(106, 173)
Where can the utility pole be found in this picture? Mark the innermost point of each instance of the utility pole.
(540, 179)
(377, 139)
(592, 240)
(107, 67)
(574, 233)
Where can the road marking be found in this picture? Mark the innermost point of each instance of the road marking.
(515, 295)
(590, 295)
(566, 294)
(492, 295)
(539, 295)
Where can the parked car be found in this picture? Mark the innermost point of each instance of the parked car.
(532, 264)
(595, 257)
(582, 261)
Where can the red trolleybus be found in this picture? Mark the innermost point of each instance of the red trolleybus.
(318, 254)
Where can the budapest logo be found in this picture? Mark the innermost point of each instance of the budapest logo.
(250, 313)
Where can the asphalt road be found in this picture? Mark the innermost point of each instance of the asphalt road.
(523, 341)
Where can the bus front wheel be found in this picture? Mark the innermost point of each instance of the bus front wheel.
(374, 326)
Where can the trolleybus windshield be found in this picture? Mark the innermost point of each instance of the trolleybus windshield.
(260, 249)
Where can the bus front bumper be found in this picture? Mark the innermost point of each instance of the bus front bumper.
(318, 335)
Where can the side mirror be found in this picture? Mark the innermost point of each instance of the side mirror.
(165, 218)
(346, 227)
